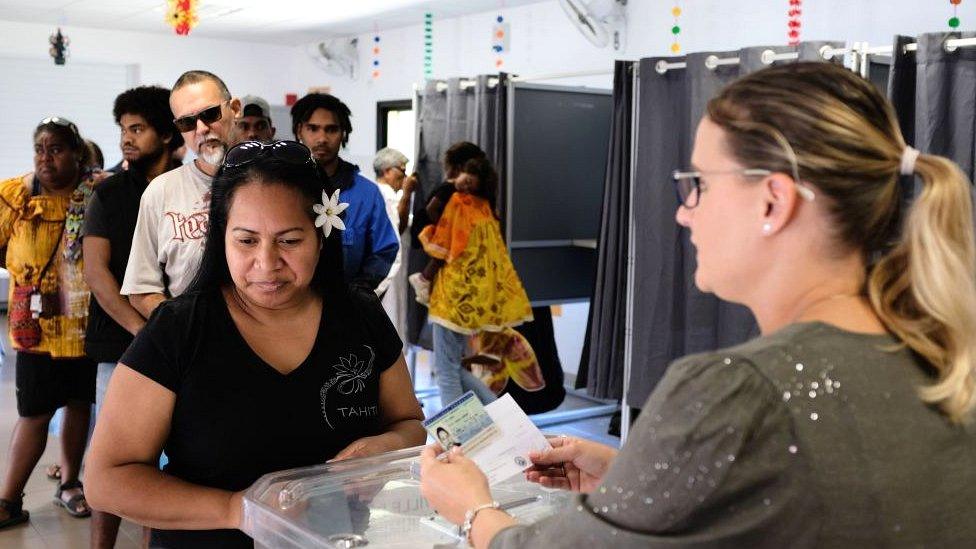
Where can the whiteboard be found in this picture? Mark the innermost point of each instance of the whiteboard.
(33, 89)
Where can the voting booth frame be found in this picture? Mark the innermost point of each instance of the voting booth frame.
(595, 407)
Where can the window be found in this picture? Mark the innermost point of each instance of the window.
(395, 126)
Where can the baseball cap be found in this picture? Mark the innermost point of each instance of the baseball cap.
(256, 106)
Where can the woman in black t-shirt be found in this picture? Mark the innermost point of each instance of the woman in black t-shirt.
(268, 362)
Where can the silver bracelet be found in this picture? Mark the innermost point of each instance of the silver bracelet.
(471, 514)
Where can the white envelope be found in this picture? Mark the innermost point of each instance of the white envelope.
(508, 455)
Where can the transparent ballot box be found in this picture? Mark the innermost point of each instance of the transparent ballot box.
(370, 502)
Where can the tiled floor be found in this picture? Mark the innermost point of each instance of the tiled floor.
(52, 528)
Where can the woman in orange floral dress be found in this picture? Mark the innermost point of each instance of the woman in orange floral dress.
(475, 286)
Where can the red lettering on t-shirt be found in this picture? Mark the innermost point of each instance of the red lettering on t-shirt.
(192, 227)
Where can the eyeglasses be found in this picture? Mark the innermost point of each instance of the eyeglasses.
(687, 185)
(245, 153)
(207, 116)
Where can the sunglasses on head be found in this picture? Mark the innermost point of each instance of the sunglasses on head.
(64, 123)
(59, 121)
(207, 116)
(245, 153)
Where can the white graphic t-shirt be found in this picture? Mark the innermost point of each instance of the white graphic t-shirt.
(167, 245)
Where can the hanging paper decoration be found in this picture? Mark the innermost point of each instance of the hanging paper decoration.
(499, 40)
(376, 56)
(954, 20)
(428, 45)
(182, 15)
(676, 29)
(793, 23)
(59, 47)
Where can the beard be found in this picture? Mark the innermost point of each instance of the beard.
(211, 150)
(215, 156)
(145, 161)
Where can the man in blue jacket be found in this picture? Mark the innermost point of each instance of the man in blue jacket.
(369, 243)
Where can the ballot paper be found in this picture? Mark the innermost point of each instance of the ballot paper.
(501, 449)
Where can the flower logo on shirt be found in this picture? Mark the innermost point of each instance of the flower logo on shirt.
(351, 375)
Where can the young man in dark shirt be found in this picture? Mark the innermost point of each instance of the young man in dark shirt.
(148, 139)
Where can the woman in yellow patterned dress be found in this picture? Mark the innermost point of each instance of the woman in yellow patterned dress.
(475, 287)
(40, 222)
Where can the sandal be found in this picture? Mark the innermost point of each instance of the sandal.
(15, 512)
(76, 505)
(54, 471)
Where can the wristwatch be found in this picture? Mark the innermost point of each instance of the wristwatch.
(471, 514)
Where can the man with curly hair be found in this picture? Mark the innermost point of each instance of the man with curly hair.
(148, 140)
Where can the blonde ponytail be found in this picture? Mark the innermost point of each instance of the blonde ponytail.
(924, 290)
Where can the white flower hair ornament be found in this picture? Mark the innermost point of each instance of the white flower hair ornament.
(328, 213)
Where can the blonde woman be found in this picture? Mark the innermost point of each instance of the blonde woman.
(844, 424)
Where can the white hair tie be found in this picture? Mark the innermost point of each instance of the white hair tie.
(908, 158)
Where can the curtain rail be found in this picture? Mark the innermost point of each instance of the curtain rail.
(465, 84)
(769, 57)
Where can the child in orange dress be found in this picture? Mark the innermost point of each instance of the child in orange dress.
(481, 290)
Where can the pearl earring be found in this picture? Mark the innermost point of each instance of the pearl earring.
(767, 228)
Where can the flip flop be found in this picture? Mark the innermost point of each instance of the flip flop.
(54, 471)
(16, 512)
(74, 504)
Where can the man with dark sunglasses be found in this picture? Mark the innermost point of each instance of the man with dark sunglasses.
(174, 211)
(369, 243)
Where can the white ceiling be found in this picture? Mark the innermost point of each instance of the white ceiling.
(290, 22)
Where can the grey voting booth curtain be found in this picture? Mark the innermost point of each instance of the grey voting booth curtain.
(603, 348)
(431, 135)
(945, 99)
(455, 112)
(901, 86)
(934, 94)
(672, 318)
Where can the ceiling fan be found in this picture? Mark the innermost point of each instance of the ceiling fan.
(602, 22)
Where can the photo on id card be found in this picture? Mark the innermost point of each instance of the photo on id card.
(463, 423)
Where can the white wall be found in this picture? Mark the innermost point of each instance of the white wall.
(261, 69)
(543, 42)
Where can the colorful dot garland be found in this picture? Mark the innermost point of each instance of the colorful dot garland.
(428, 45)
(376, 56)
(499, 40)
(793, 23)
(182, 15)
(954, 20)
(676, 29)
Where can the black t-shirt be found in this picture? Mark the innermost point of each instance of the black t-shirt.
(112, 214)
(420, 218)
(236, 418)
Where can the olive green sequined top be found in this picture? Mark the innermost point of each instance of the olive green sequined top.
(809, 437)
